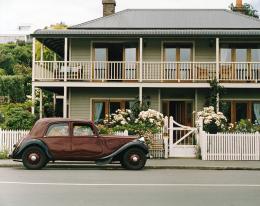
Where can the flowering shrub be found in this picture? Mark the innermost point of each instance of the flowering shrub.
(145, 124)
(212, 122)
(244, 125)
(120, 118)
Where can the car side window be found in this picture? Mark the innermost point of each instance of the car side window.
(59, 129)
(82, 130)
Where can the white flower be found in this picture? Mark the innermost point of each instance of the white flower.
(123, 122)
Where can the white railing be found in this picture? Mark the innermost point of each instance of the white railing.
(115, 70)
(86, 70)
(9, 137)
(239, 71)
(230, 146)
(178, 71)
(151, 71)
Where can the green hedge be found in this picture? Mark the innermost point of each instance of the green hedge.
(15, 88)
(16, 116)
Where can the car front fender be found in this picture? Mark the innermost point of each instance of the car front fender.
(135, 143)
(18, 152)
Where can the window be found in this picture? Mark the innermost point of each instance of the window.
(130, 66)
(82, 130)
(60, 129)
(103, 107)
(100, 54)
(239, 52)
(225, 107)
(237, 110)
(178, 52)
(256, 112)
(225, 55)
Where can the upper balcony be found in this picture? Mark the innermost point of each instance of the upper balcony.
(156, 72)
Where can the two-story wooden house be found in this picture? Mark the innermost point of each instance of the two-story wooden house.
(167, 55)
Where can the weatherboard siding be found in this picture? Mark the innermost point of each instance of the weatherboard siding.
(81, 98)
(205, 50)
(80, 49)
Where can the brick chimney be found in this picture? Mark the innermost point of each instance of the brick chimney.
(239, 4)
(239, 7)
(108, 7)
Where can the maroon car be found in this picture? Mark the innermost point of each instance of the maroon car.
(77, 140)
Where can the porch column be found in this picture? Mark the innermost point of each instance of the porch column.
(217, 59)
(141, 60)
(217, 71)
(65, 58)
(42, 51)
(140, 95)
(196, 100)
(54, 103)
(217, 105)
(33, 99)
(41, 109)
(33, 58)
(65, 102)
(159, 100)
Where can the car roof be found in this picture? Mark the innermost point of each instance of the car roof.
(40, 126)
(57, 119)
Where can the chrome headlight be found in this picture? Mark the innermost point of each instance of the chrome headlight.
(141, 139)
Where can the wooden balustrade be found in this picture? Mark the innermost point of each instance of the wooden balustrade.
(151, 71)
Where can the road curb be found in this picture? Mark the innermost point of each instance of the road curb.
(110, 167)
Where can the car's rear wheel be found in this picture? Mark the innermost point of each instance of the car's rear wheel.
(133, 159)
(34, 158)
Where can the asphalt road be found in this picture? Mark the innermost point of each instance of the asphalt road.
(105, 187)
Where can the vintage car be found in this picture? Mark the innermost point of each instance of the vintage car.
(77, 140)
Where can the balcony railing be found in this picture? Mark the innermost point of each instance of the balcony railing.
(151, 71)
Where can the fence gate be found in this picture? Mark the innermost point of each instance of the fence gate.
(182, 139)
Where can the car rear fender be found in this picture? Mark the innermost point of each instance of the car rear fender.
(136, 144)
(32, 142)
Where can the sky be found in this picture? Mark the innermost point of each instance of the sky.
(41, 13)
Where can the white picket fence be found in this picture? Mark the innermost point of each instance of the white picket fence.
(9, 137)
(159, 146)
(230, 146)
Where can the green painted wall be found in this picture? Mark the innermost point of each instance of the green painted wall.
(80, 50)
(204, 48)
(81, 98)
(243, 94)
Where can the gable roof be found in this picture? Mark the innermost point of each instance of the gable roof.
(172, 19)
(157, 23)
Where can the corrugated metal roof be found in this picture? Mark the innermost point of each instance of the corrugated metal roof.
(173, 19)
(145, 32)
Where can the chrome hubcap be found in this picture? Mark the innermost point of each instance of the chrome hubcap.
(135, 158)
(33, 158)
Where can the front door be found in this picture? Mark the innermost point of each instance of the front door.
(86, 145)
(181, 111)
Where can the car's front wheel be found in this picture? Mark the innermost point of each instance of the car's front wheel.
(133, 159)
(34, 158)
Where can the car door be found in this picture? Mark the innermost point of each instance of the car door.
(86, 145)
(58, 140)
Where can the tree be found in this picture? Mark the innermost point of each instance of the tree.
(12, 54)
(247, 9)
